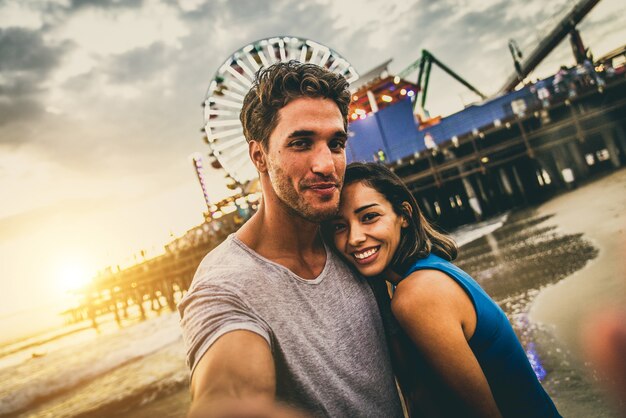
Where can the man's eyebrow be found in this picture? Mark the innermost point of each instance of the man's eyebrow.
(301, 133)
(306, 133)
(362, 208)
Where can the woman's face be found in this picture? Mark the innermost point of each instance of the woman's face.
(367, 229)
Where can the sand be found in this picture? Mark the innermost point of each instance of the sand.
(598, 211)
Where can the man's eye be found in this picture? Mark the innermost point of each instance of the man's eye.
(338, 227)
(299, 143)
(337, 144)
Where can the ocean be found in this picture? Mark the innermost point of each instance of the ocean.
(139, 368)
(71, 372)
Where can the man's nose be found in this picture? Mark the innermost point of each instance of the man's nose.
(323, 162)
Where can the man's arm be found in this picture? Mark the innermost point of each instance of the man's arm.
(235, 377)
(236, 372)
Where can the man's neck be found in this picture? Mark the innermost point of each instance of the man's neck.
(285, 238)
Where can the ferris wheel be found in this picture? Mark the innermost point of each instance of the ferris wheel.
(233, 79)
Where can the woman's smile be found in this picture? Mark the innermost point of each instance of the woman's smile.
(367, 229)
(366, 256)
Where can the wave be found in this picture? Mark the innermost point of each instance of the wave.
(124, 389)
(46, 337)
(40, 379)
(468, 233)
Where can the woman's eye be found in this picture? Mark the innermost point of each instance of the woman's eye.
(370, 217)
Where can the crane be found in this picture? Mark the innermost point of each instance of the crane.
(566, 26)
(424, 63)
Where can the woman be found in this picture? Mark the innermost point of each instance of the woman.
(454, 325)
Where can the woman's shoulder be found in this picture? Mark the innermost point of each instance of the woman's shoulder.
(425, 288)
(433, 261)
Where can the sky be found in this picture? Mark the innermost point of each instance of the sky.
(100, 107)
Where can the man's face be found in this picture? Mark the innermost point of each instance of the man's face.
(306, 158)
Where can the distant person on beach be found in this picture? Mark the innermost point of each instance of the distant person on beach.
(273, 316)
(452, 323)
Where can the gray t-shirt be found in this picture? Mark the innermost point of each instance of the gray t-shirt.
(326, 334)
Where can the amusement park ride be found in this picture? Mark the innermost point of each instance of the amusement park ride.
(223, 130)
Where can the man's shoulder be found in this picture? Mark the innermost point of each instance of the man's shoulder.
(229, 261)
(226, 251)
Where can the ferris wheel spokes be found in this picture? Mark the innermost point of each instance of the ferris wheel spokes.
(232, 82)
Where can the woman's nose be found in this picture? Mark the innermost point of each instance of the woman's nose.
(356, 236)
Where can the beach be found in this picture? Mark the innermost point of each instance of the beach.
(548, 267)
(598, 211)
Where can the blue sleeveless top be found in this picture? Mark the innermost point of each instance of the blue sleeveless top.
(513, 382)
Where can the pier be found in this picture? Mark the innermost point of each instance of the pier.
(154, 284)
(521, 159)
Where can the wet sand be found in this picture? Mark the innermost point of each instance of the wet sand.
(598, 211)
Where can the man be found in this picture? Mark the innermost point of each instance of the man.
(272, 313)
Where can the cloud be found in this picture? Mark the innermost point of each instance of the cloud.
(139, 64)
(25, 62)
(17, 110)
(24, 50)
(103, 31)
(191, 5)
(61, 212)
(14, 13)
(106, 4)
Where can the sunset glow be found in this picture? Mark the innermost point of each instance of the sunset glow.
(72, 276)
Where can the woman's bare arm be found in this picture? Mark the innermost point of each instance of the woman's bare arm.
(439, 317)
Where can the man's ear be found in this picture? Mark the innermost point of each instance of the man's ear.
(408, 210)
(257, 155)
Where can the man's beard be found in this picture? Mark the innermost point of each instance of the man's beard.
(296, 204)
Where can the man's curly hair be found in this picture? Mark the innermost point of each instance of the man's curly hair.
(275, 86)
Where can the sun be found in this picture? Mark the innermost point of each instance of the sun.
(72, 276)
